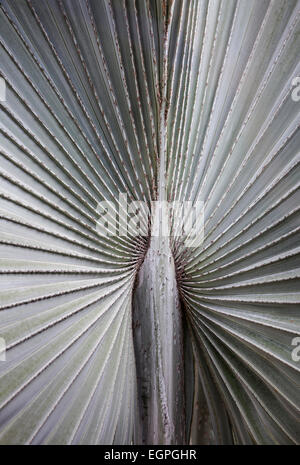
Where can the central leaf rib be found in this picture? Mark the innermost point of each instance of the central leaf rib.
(158, 341)
(157, 320)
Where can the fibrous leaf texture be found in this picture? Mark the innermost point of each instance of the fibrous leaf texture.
(131, 339)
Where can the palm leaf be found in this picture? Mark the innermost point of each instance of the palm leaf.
(125, 339)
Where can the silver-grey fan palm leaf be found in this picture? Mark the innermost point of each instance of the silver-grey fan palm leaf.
(140, 339)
